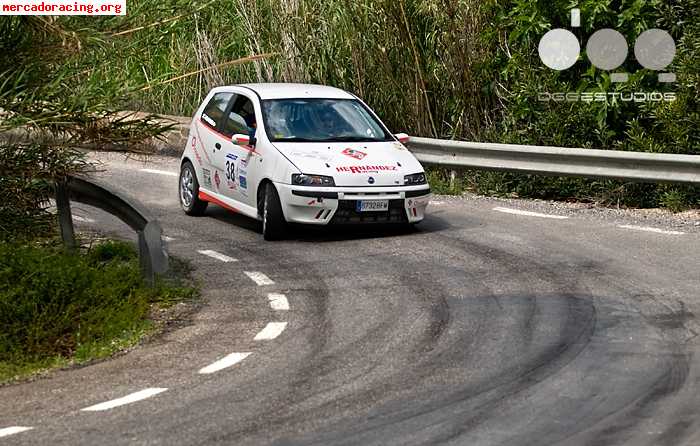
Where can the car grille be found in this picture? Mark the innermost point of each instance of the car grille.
(347, 213)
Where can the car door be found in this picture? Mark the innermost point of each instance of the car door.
(213, 141)
(237, 161)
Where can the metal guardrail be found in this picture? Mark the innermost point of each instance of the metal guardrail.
(635, 166)
(152, 255)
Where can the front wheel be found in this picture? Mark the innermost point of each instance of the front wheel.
(274, 224)
(189, 191)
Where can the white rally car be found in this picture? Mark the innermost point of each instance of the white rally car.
(299, 154)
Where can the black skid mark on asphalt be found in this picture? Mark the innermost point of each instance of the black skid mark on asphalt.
(458, 410)
(625, 423)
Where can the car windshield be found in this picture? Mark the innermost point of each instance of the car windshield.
(321, 120)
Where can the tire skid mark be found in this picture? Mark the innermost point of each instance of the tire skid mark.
(529, 377)
(565, 351)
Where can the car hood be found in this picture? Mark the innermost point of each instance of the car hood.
(354, 164)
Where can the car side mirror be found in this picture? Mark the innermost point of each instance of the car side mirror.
(242, 140)
(402, 137)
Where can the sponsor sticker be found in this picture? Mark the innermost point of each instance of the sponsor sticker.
(217, 180)
(365, 169)
(313, 154)
(194, 149)
(243, 182)
(231, 173)
(206, 174)
(231, 156)
(208, 120)
(354, 153)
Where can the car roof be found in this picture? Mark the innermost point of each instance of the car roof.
(293, 91)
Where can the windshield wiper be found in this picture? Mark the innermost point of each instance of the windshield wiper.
(356, 139)
(297, 139)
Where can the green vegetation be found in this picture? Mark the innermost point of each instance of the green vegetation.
(41, 97)
(452, 69)
(464, 69)
(58, 308)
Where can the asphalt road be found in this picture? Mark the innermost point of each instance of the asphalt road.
(483, 326)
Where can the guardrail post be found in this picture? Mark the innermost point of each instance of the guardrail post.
(154, 259)
(145, 260)
(152, 255)
(65, 216)
(453, 178)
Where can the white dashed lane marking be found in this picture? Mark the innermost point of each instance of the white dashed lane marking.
(13, 430)
(228, 361)
(160, 172)
(271, 331)
(529, 214)
(278, 301)
(131, 398)
(217, 256)
(259, 278)
(80, 219)
(649, 229)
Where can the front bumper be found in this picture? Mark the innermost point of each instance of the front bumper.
(336, 205)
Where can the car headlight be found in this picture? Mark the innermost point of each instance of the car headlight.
(415, 179)
(302, 179)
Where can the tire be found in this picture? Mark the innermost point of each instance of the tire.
(188, 191)
(274, 224)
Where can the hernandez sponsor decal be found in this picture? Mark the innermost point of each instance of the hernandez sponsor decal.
(207, 177)
(365, 169)
(354, 153)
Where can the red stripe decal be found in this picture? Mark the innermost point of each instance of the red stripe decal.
(206, 197)
(221, 135)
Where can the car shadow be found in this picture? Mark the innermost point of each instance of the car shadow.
(233, 218)
(316, 234)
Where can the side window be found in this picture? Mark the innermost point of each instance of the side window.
(241, 117)
(213, 113)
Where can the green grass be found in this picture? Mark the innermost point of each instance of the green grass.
(58, 308)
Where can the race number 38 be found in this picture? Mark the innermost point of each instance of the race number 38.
(231, 171)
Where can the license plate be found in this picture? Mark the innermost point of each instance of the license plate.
(372, 205)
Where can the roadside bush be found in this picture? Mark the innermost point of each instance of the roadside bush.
(71, 306)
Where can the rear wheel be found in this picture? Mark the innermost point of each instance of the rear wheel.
(189, 191)
(274, 225)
